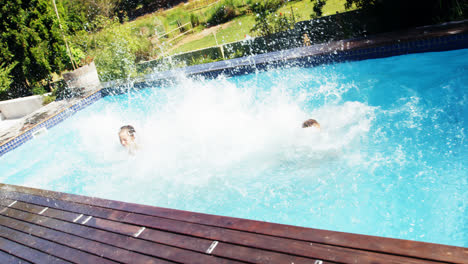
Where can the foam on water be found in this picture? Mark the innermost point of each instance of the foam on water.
(389, 159)
(202, 128)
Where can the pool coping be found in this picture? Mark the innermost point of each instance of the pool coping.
(443, 37)
(133, 231)
(46, 117)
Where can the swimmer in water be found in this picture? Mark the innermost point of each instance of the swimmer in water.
(311, 123)
(127, 138)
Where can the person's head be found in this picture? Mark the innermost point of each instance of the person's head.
(127, 135)
(311, 123)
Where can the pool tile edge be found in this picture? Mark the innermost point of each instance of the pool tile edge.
(49, 122)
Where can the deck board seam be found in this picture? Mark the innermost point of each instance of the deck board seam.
(14, 256)
(64, 199)
(37, 249)
(362, 251)
(138, 252)
(150, 241)
(58, 243)
(11, 254)
(104, 230)
(201, 252)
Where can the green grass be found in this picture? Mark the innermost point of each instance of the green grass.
(303, 9)
(146, 26)
(237, 30)
(241, 25)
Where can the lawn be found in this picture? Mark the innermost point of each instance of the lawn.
(303, 9)
(240, 27)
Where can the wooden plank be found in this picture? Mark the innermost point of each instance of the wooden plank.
(288, 246)
(7, 258)
(120, 241)
(421, 250)
(299, 248)
(230, 236)
(74, 242)
(196, 244)
(32, 249)
(108, 225)
(200, 245)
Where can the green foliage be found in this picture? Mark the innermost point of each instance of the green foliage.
(265, 7)
(5, 77)
(80, 14)
(238, 54)
(267, 21)
(48, 99)
(117, 50)
(202, 60)
(61, 91)
(195, 20)
(224, 12)
(77, 54)
(30, 35)
(318, 7)
(39, 89)
(115, 61)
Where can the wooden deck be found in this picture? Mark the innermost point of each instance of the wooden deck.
(41, 226)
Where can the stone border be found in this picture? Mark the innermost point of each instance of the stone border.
(49, 122)
(443, 37)
(20, 107)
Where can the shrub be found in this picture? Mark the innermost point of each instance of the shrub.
(116, 50)
(5, 77)
(195, 20)
(39, 89)
(267, 21)
(48, 99)
(318, 7)
(265, 6)
(115, 61)
(223, 13)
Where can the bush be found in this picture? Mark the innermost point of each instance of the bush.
(48, 99)
(265, 6)
(115, 61)
(39, 89)
(5, 77)
(223, 13)
(267, 22)
(194, 20)
(115, 50)
(318, 6)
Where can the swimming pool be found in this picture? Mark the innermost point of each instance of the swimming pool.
(389, 161)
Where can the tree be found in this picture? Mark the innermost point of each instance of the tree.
(5, 79)
(266, 20)
(30, 36)
(318, 6)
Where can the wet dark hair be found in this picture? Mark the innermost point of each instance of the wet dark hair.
(130, 130)
(309, 123)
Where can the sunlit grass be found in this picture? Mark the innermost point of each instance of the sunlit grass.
(166, 21)
(304, 9)
(237, 30)
(241, 25)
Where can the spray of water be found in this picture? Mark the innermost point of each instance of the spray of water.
(197, 130)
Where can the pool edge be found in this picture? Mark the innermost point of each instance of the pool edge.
(443, 37)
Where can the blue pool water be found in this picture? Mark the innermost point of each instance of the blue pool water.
(390, 159)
